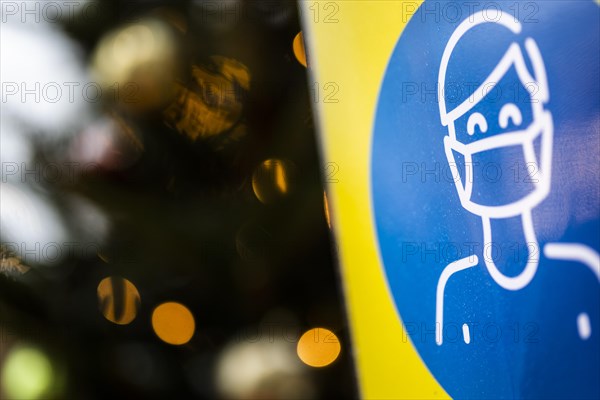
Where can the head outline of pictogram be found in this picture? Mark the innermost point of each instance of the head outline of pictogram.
(542, 125)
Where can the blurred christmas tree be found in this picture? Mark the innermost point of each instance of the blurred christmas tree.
(163, 223)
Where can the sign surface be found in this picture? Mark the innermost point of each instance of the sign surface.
(467, 206)
(488, 227)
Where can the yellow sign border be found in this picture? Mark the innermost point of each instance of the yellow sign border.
(349, 44)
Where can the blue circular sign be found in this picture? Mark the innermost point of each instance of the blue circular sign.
(486, 195)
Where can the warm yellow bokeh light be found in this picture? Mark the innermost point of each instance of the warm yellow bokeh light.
(26, 374)
(173, 323)
(136, 64)
(118, 300)
(214, 103)
(326, 208)
(318, 347)
(299, 51)
(271, 180)
(11, 264)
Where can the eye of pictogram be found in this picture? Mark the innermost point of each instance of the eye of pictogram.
(479, 120)
(510, 111)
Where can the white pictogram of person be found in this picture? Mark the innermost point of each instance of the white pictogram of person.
(541, 128)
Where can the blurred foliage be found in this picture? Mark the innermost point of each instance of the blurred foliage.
(173, 165)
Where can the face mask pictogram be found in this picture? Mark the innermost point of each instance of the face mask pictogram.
(523, 140)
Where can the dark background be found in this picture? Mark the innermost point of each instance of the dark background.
(186, 224)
